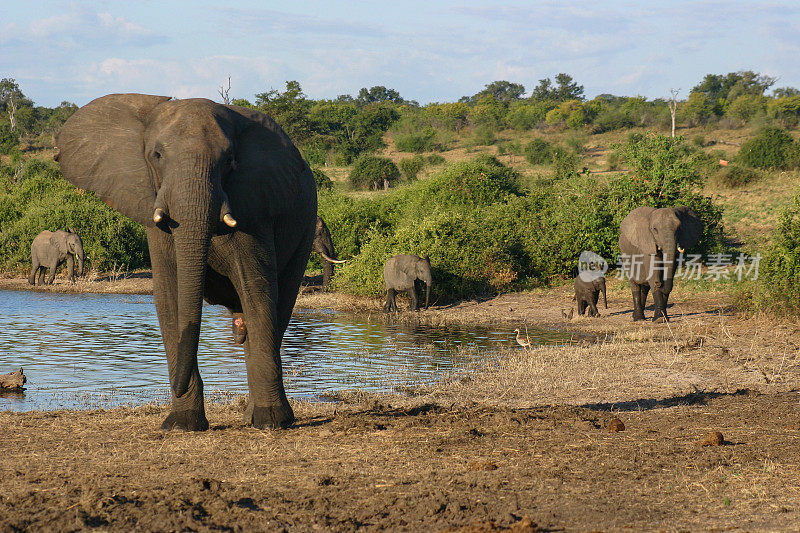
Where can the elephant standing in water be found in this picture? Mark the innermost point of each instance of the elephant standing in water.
(649, 242)
(51, 248)
(229, 207)
(323, 245)
(401, 273)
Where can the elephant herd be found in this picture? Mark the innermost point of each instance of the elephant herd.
(229, 206)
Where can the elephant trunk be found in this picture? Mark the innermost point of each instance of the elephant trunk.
(668, 254)
(427, 293)
(79, 257)
(196, 213)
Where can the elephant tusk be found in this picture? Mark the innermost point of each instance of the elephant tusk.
(328, 259)
(158, 215)
(681, 250)
(229, 220)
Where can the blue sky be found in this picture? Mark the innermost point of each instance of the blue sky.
(427, 50)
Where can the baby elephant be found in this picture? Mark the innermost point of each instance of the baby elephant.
(400, 274)
(587, 293)
(51, 248)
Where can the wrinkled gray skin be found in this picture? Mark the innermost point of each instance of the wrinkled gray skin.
(323, 245)
(587, 294)
(400, 274)
(51, 248)
(654, 235)
(229, 207)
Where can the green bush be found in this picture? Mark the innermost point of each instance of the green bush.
(434, 159)
(735, 175)
(323, 181)
(538, 151)
(777, 289)
(772, 148)
(565, 162)
(34, 197)
(484, 135)
(411, 166)
(9, 140)
(525, 116)
(370, 172)
(421, 141)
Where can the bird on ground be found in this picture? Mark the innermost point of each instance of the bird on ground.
(525, 341)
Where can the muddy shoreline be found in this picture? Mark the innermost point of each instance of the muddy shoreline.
(522, 444)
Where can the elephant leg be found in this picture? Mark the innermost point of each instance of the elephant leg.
(639, 299)
(71, 268)
(34, 271)
(387, 307)
(42, 272)
(253, 272)
(51, 276)
(412, 293)
(188, 410)
(660, 306)
(581, 306)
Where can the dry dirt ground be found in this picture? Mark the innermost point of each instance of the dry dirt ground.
(521, 442)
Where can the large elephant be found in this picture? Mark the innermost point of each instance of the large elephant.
(649, 242)
(401, 273)
(587, 294)
(323, 245)
(229, 208)
(51, 248)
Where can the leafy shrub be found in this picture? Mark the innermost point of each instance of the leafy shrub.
(323, 181)
(565, 162)
(434, 159)
(525, 116)
(485, 135)
(411, 166)
(34, 197)
(777, 289)
(735, 175)
(371, 171)
(421, 141)
(538, 151)
(609, 119)
(9, 140)
(772, 148)
(747, 106)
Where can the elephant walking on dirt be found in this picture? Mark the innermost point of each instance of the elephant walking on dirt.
(49, 249)
(587, 294)
(649, 242)
(401, 273)
(229, 207)
(323, 245)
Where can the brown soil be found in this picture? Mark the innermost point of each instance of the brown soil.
(523, 442)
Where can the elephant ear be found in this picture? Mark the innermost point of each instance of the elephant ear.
(101, 149)
(691, 228)
(58, 242)
(270, 178)
(635, 229)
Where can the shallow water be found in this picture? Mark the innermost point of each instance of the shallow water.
(86, 351)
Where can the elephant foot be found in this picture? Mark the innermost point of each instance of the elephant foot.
(638, 318)
(279, 415)
(239, 329)
(660, 319)
(192, 420)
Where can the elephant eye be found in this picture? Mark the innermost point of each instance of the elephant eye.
(156, 155)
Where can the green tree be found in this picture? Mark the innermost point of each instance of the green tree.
(378, 94)
(289, 109)
(373, 172)
(564, 89)
(503, 91)
(747, 106)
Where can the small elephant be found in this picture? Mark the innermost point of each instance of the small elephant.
(323, 245)
(587, 294)
(400, 274)
(51, 248)
(649, 242)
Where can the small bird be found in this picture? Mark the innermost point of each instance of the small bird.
(525, 341)
(566, 315)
